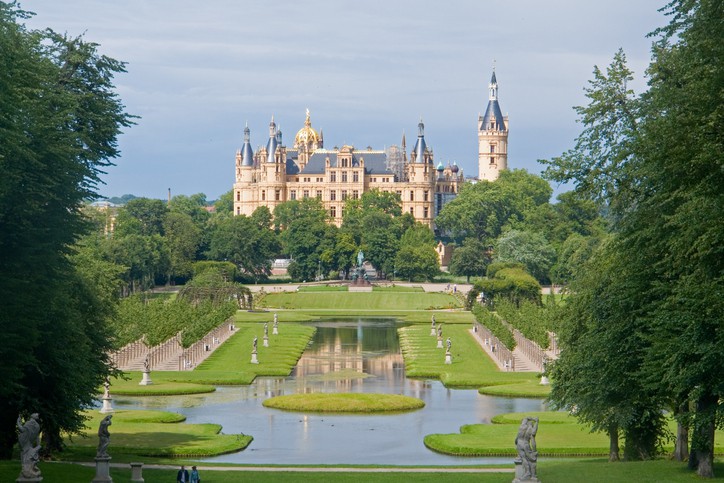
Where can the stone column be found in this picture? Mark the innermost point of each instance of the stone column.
(136, 473)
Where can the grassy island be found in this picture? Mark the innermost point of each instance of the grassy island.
(345, 403)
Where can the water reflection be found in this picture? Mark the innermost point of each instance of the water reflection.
(345, 356)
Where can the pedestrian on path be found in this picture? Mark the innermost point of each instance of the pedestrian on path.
(195, 475)
(183, 475)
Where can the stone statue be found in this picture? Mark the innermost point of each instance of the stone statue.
(146, 364)
(255, 341)
(433, 320)
(276, 318)
(526, 447)
(104, 437)
(449, 344)
(360, 258)
(29, 440)
(266, 329)
(439, 330)
(106, 389)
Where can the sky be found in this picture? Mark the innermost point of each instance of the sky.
(198, 72)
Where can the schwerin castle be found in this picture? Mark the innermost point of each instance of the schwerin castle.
(276, 173)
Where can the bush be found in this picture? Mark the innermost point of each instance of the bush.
(513, 284)
(495, 325)
(495, 267)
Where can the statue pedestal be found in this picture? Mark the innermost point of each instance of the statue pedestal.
(448, 358)
(146, 381)
(433, 332)
(439, 342)
(23, 479)
(136, 473)
(253, 358)
(275, 331)
(519, 473)
(103, 467)
(265, 343)
(107, 406)
(544, 381)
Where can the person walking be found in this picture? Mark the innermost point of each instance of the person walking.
(195, 475)
(183, 475)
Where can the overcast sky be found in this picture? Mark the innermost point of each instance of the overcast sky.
(367, 71)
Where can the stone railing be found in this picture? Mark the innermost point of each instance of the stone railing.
(529, 348)
(200, 350)
(497, 348)
(163, 351)
(129, 353)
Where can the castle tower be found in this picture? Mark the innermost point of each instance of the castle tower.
(492, 137)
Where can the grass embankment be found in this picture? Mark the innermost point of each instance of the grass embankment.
(471, 366)
(353, 301)
(345, 403)
(559, 471)
(559, 434)
(230, 363)
(154, 433)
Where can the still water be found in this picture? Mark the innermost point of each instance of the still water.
(332, 363)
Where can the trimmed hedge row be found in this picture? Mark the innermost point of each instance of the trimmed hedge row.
(495, 325)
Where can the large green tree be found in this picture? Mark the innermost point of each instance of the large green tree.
(59, 122)
(655, 161)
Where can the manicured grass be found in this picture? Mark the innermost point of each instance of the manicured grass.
(379, 300)
(397, 288)
(278, 359)
(471, 366)
(528, 388)
(559, 434)
(323, 288)
(309, 315)
(551, 471)
(160, 387)
(344, 403)
(155, 433)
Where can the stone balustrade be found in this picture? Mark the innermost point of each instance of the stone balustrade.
(200, 350)
(498, 349)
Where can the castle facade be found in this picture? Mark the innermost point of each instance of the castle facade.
(275, 173)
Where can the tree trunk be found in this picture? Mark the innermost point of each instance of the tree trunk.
(613, 449)
(681, 448)
(702, 444)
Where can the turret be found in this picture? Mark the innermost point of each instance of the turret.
(492, 137)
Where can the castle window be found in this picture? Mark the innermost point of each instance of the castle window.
(333, 177)
(344, 194)
(344, 176)
(293, 195)
(277, 195)
(238, 210)
(412, 196)
(263, 195)
(306, 193)
(427, 195)
(492, 148)
(238, 196)
(355, 194)
(355, 177)
(333, 212)
(319, 180)
(399, 193)
(412, 211)
(492, 160)
(426, 212)
(319, 194)
(333, 195)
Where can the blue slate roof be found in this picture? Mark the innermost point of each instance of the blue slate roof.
(493, 110)
(375, 162)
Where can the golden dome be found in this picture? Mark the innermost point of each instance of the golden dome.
(306, 135)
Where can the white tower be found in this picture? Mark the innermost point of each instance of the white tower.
(492, 137)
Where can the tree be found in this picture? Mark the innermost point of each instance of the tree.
(471, 259)
(530, 249)
(655, 161)
(305, 226)
(183, 239)
(482, 209)
(141, 216)
(417, 258)
(59, 122)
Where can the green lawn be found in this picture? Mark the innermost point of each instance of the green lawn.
(344, 402)
(379, 300)
(154, 433)
(559, 434)
(551, 471)
(471, 366)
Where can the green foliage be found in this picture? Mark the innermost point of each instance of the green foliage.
(530, 249)
(417, 258)
(533, 320)
(495, 325)
(305, 235)
(513, 284)
(482, 209)
(141, 216)
(495, 267)
(227, 270)
(59, 122)
(471, 259)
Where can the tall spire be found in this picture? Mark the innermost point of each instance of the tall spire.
(493, 87)
(247, 154)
